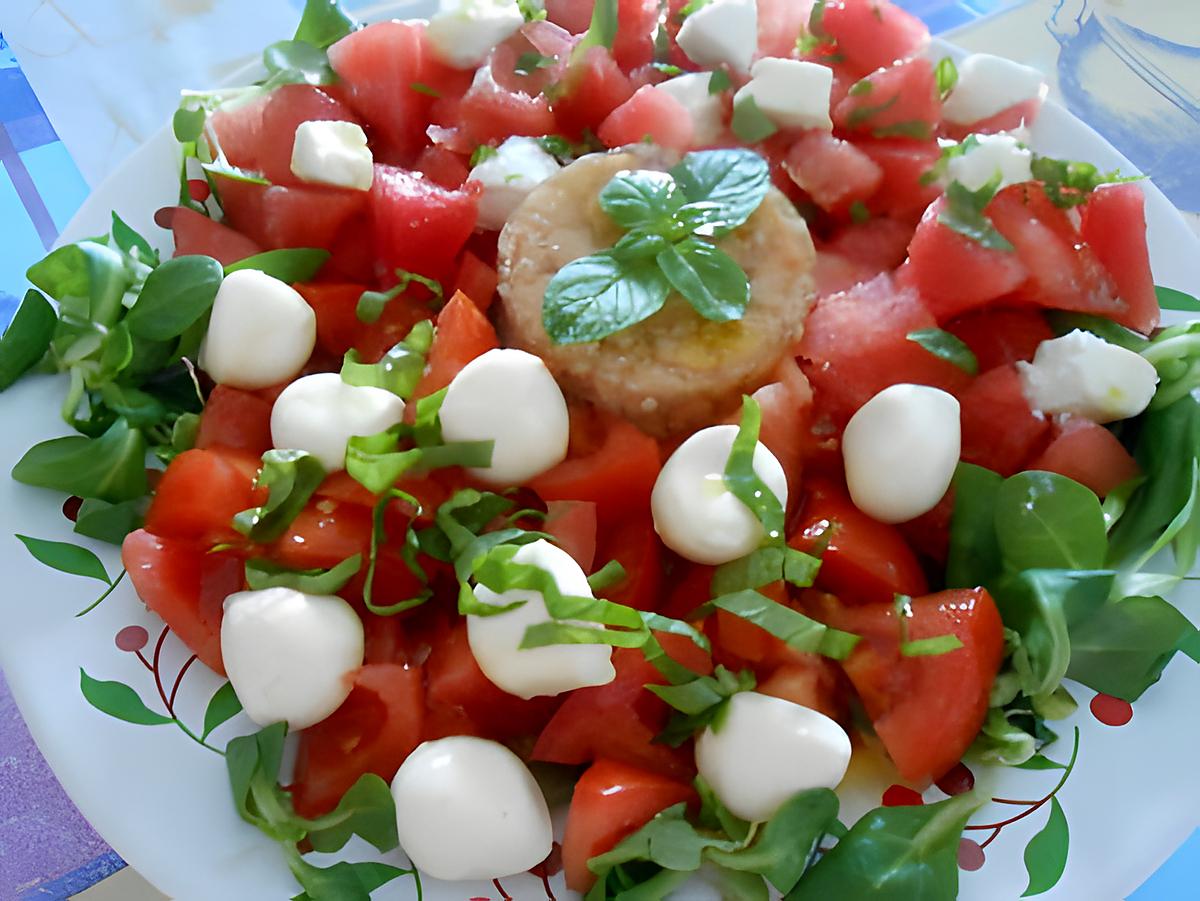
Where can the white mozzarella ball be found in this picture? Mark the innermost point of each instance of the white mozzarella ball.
(533, 672)
(723, 32)
(988, 85)
(261, 332)
(291, 656)
(993, 155)
(1083, 374)
(333, 153)
(695, 514)
(468, 808)
(518, 166)
(792, 93)
(703, 107)
(463, 32)
(508, 397)
(767, 750)
(320, 413)
(900, 450)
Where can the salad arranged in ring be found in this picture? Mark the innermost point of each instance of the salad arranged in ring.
(649, 405)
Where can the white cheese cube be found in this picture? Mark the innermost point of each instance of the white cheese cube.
(791, 92)
(333, 153)
(704, 108)
(518, 166)
(1083, 374)
(724, 32)
(988, 85)
(463, 32)
(991, 155)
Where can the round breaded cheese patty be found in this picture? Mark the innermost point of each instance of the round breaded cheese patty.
(675, 371)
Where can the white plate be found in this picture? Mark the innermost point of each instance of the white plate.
(163, 803)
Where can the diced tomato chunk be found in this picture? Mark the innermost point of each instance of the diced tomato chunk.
(856, 344)
(904, 163)
(374, 730)
(573, 526)
(833, 172)
(864, 561)
(612, 800)
(634, 544)
(926, 709)
(999, 429)
(1114, 227)
(588, 90)
(186, 585)
(811, 682)
(321, 537)
(873, 33)
(463, 333)
(338, 325)
(235, 419)
(1088, 453)
(420, 226)
(901, 101)
(195, 233)
(200, 492)
(998, 337)
(648, 114)
(477, 280)
(786, 407)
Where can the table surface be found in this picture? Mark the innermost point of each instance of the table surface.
(60, 134)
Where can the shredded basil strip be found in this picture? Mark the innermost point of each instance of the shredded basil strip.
(408, 555)
(744, 483)
(290, 477)
(790, 626)
(262, 574)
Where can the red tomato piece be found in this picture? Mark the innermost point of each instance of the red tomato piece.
(649, 113)
(998, 337)
(442, 167)
(611, 801)
(956, 274)
(634, 544)
(856, 344)
(200, 492)
(927, 710)
(929, 533)
(463, 333)
(1088, 453)
(786, 410)
(477, 280)
(588, 90)
(491, 112)
(865, 560)
(338, 326)
(1114, 227)
(419, 226)
(186, 585)
(999, 429)
(323, 535)
(374, 730)
(235, 419)
(833, 172)
(873, 33)
(195, 233)
(339, 486)
(810, 682)
(902, 101)
(573, 526)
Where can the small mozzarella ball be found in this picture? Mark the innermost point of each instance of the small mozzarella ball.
(723, 32)
(468, 808)
(510, 398)
(333, 153)
(704, 107)
(901, 449)
(463, 32)
(320, 413)
(993, 155)
(988, 85)
(261, 332)
(695, 514)
(518, 166)
(766, 750)
(533, 672)
(792, 93)
(1082, 374)
(291, 656)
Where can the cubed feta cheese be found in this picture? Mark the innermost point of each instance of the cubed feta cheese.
(988, 156)
(792, 93)
(704, 108)
(988, 85)
(333, 153)
(463, 32)
(518, 166)
(724, 32)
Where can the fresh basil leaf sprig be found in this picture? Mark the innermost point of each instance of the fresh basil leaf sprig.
(372, 303)
(964, 213)
(700, 702)
(399, 370)
(668, 217)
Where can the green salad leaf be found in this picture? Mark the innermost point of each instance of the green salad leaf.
(323, 23)
(288, 264)
(174, 297)
(110, 468)
(27, 337)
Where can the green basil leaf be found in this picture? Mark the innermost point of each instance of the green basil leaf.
(749, 123)
(1046, 853)
(371, 303)
(176, 295)
(736, 180)
(708, 278)
(110, 522)
(930, 647)
(592, 297)
(399, 370)
(290, 477)
(798, 631)
(946, 346)
(894, 853)
(408, 554)
(964, 213)
(119, 701)
(743, 481)
(344, 881)
(188, 124)
(222, 707)
(701, 702)
(1123, 649)
(366, 810)
(297, 62)
(27, 337)
(528, 63)
(111, 468)
(602, 30)
(1069, 183)
(324, 22)
(375, 462)
(262, 574)
(1171, 299)
(289, 264)
(610, 574)
(66, 558)
(719, 81)
(641, 198)
(1063, 322)
(1047, 521)
(947, 76)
